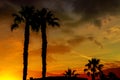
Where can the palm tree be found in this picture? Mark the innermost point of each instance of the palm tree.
(70, 73)
(93, 68)
(25, 15)
(45, 18)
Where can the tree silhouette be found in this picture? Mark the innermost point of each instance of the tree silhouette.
(45, 18)
(70, 73)
(26, 16)
(93, 68)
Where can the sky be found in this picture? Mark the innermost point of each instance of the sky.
(88, 28)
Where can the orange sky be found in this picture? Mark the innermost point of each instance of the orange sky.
(69, 46)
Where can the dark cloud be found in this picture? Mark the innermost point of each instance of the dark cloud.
(5, 10)
(87, 10)
(92, 10)
(22, 2)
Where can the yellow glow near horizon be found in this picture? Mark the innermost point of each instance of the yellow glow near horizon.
(9, 77)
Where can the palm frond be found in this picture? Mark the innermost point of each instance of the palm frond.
(55, 19)
(85, 70)
(73, 72)
(14, 26)
(100, 66)
(54, 24)
(27, 11)
(17, 18)
(88, 65)
(49, 14)
(90, 61)
(97, 61)
(43, 12)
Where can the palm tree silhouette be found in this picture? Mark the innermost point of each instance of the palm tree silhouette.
(45, 18)
(93, 68)
(70, 73)
(26, 16)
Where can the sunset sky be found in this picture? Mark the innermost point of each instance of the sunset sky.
(89, 28)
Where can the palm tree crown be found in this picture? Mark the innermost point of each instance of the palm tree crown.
(93, 68)
(70, 73)
(26, 14)
(47, 16)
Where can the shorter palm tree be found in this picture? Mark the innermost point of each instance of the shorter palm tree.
(70, 74)
(93, 68)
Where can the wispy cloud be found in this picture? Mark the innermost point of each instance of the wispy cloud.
(80, 39)
(112, 34)
(113, 64)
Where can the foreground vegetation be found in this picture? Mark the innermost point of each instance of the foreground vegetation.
(93, 69)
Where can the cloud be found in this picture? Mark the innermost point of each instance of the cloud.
(95, 41)
(112, 34)
(76, 40)
(61, 48)
(113, 64)
(51, 49)
(6, 9)
(80, 39)
(94, 10)
(54, 49)
(22, 2)
(71, 11)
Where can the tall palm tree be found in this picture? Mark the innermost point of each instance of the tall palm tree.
(93, 68)
(46, 18)
(26, 16)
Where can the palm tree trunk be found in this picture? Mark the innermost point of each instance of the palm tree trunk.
(93, 76)
(25, 53)
(44, 48)
(102, 76)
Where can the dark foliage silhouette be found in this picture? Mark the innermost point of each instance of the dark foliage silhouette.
(45, 18)
(94, 68)
(70, 73)
(26, 16)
